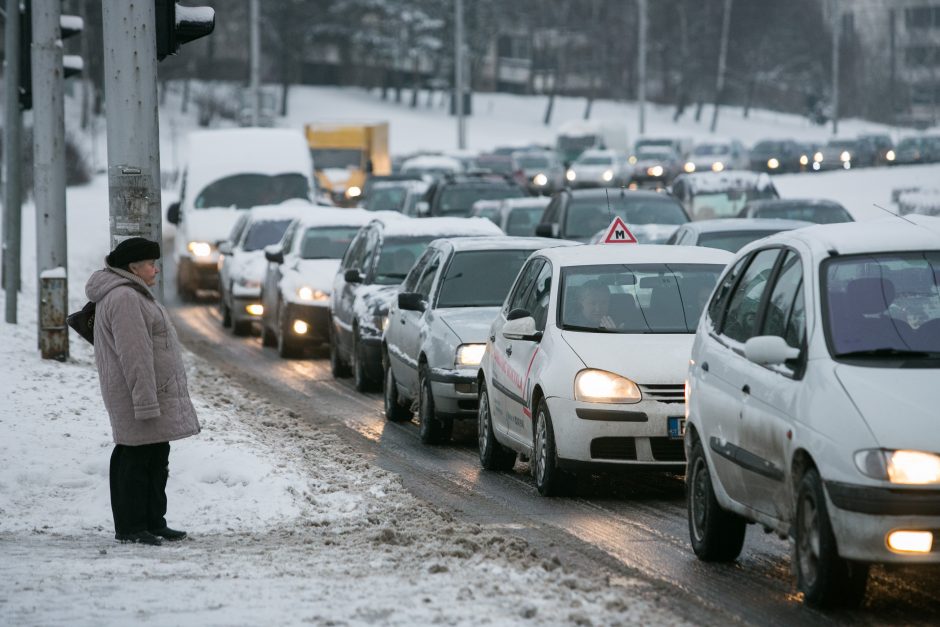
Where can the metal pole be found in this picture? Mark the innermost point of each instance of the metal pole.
(130, 82)
(641, 64)
(49, 178)
(722, 62)
(12, 149)
(255, 52)
(836, 37)
(459, 75)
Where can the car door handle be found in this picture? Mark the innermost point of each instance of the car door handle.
(704, 366)
(746, 389)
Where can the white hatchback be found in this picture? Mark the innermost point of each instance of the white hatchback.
(812, 403)
(586, 359)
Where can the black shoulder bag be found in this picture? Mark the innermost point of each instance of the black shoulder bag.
(84, 322)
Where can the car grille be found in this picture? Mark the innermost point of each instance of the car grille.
(667, 450)
(613, 448)
(666, 393)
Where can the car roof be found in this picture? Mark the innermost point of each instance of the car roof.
(288, 210)
(529, 201)
(591, 254)
(601, 192)
(910, 233)
(437, 227)
(503, 242)
(743, 224)
(790, 202)
(704, 182)
(336, 217)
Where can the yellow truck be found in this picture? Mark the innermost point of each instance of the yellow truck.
(344, 154)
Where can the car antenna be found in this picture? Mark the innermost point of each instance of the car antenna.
(610, 213)
(896, 215)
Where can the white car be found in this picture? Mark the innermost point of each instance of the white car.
(438, 326)
(599, 168)
(717, 156)
(242, 262)
(812, 403)
(586, 361)
(295, 292)
(515, 216)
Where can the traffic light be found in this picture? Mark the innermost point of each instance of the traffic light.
(69, 26)
(177, 25)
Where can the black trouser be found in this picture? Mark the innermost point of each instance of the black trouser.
(138, 487)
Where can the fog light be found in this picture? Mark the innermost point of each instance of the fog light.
(254, 309)
(301, 327)
(910, 541)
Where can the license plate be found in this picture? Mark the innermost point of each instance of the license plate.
(676, 428)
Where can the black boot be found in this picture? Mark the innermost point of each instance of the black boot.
(169, 534)
(140, 537)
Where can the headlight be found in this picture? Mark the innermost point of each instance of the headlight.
(773, 164)
(818, 157)
(902, 467)
(718, 166)
(540, 179)
(689, 167)
(656, 170)
(200, 249)
(310, 294)
(600, 386)
(470, 354)
(845, 156)
(804, 159)
(607, 175)
(890, 155)
(570, 175)
(353, 192)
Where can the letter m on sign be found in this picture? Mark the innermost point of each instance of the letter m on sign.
(618, 233)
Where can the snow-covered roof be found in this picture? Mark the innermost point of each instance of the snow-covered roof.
(912, 232)
(635, 253)
(506, 242)
(439, 227)
(743, 224)
(288, 210)
(705, 182)
(530, 201)
(432, 162)
(335, 217)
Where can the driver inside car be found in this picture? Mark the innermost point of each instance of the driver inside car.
(593, 306)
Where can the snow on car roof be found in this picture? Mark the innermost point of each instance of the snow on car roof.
(635, 253)
(432, 162)
(705, 182)
(913, 232)
(743, 224)
(288, 210)
(531, 201)
(505, 242)
(439, 227)
(336, 217)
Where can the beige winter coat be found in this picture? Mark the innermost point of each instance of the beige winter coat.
(140, 366)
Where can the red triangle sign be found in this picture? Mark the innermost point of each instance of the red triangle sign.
(618, 233)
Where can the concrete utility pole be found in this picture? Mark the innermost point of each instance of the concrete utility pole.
(641, 63)
(49, 180)
(835, 7)
(722, 62)
(130, 84)
(459, 75)
(12, 148)
(255, 52)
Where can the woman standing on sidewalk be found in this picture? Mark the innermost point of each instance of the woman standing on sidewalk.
(143, 382)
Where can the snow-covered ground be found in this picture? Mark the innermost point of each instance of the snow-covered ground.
(288, 523)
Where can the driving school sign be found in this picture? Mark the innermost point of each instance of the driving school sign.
(618, 233)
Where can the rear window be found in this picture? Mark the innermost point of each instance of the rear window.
(523, 220)
(264, 233)
(732, 241)
(326, 242)
(397, 256)
(824, 214)
(480, 278)
(243, 191)
(587, 216)
(458, 200)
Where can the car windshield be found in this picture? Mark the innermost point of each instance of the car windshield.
(336, 158)
(500, 165)
(386, 198)
(732, 241)
(635, 298)
(480, 278)
(264, 233)
(568, 143)
(523, 220)
(819, 214)
(531, 163)
(587, 216)
(654, 154)
(595, 160)
(725, 204)
(397, 256)
(457, 201)
(884, 306)
(842, 145)
(911, 143)
(705, 150)
(768, 147)
(328, 242)
(244, 191)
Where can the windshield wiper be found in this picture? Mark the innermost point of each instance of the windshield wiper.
(891, 352)
(392, 275)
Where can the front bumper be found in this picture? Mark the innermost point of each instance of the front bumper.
(199, 275)
(600, 434)
(455, 393)
(863, 516)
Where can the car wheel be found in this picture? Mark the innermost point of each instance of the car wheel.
(338, 367)
(548, 476)
(360, 377)
(824, 578)
(493, 455)
(225, 311)
(431, 430)
(717, 535)
(394, 410)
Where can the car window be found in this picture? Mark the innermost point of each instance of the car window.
(587, 216)
(236, 235)
(783, 297)
(522, 221)
(740, 321)
(411, 281)
(717, 305)
(287, 243)
(427, 277)
(396, 257)
(480, 278)
(354, 254)
(732, 241)
(524, 284)
(536, 302)
(796, 325)
(263, 233)
(243, 191)
(326, 242)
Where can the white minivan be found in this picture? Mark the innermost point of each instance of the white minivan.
(229, 170)
(812, 403)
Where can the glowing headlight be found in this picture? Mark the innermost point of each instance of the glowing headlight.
(656, 170)
(540, 179)
(718, 166)
(570, 175)
(300, 327)
(773, 164)
(632, 159)
(845, 156)
(890, 155)
(804, 159)
(607, 175)
(200, 249)
(310, 294)
(818, 157)
(902, 467)
(255, 309)
(353, 191)
(470, 354)
(689, 167)
(600, 386)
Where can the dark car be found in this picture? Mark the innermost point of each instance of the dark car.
(579, 214)
(806, 210)
(708, 195)
(454, 195)
(911, 150)
(880, 147)
(779, 155)
(843, 154)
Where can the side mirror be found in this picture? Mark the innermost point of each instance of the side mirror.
(422, 209)
(352, 276)
(522, 329)
(410, 301)
(225, 248)
(173, 213)
(546, 229)
(517, 313)
(274, 254)
(769, 350)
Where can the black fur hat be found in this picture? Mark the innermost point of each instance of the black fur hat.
(131, 250)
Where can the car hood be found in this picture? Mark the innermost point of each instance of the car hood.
(650, 358)
(249, 265)
(896, 404)
(470, 324)
(317, 274)
(210, 225)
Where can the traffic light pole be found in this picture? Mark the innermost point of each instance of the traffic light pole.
(130, 85)
(49, 180)
(12, 148)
